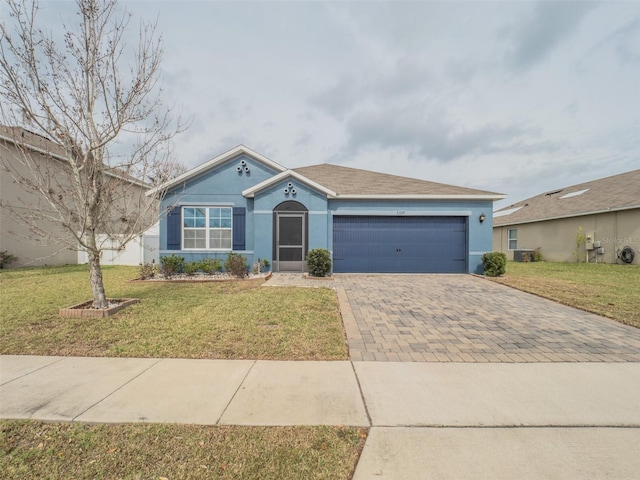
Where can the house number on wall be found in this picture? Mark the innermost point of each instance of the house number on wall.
(400, 212)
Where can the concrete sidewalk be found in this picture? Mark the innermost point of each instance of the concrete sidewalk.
(429, 420)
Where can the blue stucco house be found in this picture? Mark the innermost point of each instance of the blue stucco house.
(243, 202)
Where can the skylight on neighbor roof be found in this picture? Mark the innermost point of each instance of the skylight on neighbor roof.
(574, 194)
(504, 213)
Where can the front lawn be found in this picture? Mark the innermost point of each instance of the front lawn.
(226, 320)
(609, 290)
(32, 449)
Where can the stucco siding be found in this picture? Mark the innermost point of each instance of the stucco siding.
(557, 238)
(54, 244)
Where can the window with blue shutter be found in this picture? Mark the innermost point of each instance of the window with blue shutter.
(239, 228)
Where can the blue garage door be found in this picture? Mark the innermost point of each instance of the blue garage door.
(399, 244)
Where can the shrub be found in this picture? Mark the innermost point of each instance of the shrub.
(171, 264)
(190, 268)
(236, 265)
(6, 258)
(319, 262)
(147, 270)
(537, 255)
(261, 266)
(210, 266)
(494, 263)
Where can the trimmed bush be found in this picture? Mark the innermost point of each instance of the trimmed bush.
(262, 265)
(236, 265)
(210, 266)
(171, 264)
(319, 262)
(190, 268)
(494, 263)
(147, 270)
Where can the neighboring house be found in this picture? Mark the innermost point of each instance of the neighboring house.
(592, 221)
(53, 244)
(243, 202)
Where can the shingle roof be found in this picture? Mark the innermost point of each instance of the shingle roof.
(350, 182)
(20, 136)
(35, 142)
(618, 192)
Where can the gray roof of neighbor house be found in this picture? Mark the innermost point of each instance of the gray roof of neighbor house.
(25, 139)
(353, 183)
(619, 192)
(20, 136)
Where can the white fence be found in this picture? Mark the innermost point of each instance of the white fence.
(143, 249)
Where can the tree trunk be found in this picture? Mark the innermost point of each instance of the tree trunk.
(95, 277)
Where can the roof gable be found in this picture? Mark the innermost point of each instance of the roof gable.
(250, 192)
(213, 163)
(618, 192)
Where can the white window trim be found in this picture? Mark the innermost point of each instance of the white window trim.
(207, 229)
(509, 239)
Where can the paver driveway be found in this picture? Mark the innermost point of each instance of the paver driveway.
(463, 318)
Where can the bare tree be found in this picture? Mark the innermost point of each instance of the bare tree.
(96, 107)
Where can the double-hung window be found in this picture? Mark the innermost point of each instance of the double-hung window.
(513, 238)
(206, 228)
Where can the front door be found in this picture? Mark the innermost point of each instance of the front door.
(290, 242)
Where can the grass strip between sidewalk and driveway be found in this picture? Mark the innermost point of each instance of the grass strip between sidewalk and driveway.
(606, 289)
(33, 449)
(236, 319)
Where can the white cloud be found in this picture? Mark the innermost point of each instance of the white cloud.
(515, 97)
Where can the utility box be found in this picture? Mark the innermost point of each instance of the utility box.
(588, 241)
(600, 250)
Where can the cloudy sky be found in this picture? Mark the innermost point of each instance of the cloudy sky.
(513, 97)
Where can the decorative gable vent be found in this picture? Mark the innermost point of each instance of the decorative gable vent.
(290, 190)
(243, 167)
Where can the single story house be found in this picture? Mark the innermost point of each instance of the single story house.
(597, 221)
(243, 202)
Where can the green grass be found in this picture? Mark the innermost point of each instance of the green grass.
(606, 289)
(227, 320)
(31, 449)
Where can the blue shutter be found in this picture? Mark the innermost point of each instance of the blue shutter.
(174, 228)
(239, 228)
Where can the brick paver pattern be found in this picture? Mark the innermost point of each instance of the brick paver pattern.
(464, 318)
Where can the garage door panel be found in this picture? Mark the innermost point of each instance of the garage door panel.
(399, 244)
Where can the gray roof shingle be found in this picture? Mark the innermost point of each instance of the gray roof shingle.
(618, 192)
(353, 181)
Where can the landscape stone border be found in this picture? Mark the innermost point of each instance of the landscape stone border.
(201, 279)
(84, 309)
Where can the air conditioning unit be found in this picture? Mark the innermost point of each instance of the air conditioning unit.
(523, 255)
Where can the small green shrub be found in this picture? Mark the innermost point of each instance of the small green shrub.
(494, 263)
(210, 266)
(6, 258)
(319, 262)
(236, 265)
(147, 270)
(171, 264)
(262, 265)
(537, 255)
(190, 268)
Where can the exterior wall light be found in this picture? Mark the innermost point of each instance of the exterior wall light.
(482, 217)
